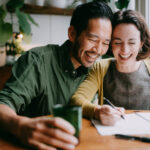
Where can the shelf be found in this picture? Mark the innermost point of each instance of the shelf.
(33, 9)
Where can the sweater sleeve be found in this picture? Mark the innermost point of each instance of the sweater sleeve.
(93, 83)
(87, 90)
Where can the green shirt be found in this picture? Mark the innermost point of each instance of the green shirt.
(41, 78)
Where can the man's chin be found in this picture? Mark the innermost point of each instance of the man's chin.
(87, 65)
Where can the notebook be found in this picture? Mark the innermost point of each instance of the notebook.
(135, 123)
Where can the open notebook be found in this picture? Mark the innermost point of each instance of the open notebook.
(135, 123)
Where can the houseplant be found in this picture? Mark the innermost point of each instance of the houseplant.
(24, 20)
(10, 41)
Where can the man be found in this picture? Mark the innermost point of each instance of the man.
(49, 75)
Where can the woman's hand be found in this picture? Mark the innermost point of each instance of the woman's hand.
(108, 115)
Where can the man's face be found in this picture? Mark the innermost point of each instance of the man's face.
(92, 42)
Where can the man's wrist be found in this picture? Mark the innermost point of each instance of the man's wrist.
(17, 123)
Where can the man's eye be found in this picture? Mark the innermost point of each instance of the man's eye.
(106, 43)
(93, 40)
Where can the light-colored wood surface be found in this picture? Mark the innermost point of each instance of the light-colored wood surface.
(89, 140)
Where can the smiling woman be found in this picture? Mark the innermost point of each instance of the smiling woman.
(126, 44)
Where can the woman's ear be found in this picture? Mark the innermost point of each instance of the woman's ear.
(72, 34)
(141, 45)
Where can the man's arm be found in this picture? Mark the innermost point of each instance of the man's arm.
(41, 132)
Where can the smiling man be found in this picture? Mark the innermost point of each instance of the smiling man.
(49, 75)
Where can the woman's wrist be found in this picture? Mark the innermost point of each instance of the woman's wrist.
(97, 112)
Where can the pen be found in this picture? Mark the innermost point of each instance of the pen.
(129, 137)
(109, 103)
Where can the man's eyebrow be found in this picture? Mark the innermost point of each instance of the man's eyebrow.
(92, 35)
(96, 36)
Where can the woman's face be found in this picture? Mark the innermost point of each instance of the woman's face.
(126, 43)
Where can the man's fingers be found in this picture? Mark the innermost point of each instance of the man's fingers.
(50, 142)
(40, 146)
(59, 123)
(61, 135)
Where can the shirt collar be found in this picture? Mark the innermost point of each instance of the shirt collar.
(67, 63)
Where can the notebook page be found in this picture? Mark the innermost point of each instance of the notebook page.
(132, 124)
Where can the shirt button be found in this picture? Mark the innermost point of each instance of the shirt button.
(74, 72)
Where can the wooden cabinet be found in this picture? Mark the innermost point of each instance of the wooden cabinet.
(5, 73)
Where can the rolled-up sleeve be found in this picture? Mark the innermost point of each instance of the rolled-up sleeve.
(24, 84)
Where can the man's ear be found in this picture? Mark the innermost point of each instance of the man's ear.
(72, 34)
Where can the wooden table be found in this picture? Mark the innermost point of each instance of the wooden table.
(89, 140)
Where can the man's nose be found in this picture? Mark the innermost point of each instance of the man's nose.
(98, 48)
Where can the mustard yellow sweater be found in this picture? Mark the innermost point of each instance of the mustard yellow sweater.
(92, 84)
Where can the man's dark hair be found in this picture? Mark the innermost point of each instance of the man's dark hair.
(86, 11)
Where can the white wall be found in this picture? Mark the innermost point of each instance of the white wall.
(52, 29)
(143, 7)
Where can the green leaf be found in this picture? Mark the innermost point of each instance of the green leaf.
(3, 13)
(120, 4)
(23, 22)
(31, 20)
(102, 0)
(6, 32)
(12, 5)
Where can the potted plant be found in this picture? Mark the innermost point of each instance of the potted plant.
(24, 20)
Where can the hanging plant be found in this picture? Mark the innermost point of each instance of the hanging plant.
(121, 4)
(24, 20)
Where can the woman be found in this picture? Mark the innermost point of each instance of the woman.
(125, 80)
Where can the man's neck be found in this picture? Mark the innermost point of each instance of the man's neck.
(74, 61)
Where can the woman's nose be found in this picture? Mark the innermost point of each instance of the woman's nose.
(125, 48)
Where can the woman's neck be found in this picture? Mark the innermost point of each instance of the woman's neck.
(128, 68)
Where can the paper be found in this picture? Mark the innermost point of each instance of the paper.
(135, 123)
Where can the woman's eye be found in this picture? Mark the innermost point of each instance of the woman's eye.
(131, 43)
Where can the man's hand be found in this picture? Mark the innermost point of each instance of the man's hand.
(108, 115)
(46, 133)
